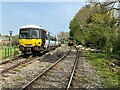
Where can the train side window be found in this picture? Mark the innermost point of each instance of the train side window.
(54, 38)
(46, 37)
(40, 34)
(51, 38)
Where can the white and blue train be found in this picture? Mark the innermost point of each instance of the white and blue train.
(34, 38)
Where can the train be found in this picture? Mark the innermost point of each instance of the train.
(34, 39)
(71, 41)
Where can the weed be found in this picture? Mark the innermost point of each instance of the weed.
(16, 69)
(61, 68)
(18, 78)
(30, 57)
(23, 65)
(75, 78)
(108, 78)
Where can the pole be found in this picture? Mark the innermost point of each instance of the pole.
(10, 42)
(10, 39)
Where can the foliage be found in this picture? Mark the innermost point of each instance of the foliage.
(15, 39)
(63, 35)
(92, 25)
(0, 35)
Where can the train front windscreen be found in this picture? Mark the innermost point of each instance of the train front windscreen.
(71, 39)
(29, 33)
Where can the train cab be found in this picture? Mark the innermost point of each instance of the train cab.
(71, 41)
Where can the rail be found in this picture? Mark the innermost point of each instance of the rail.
(73, 70)
(27, 85)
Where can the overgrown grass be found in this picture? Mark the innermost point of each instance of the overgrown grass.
(109, 78)
(0, 53)
(7, 52)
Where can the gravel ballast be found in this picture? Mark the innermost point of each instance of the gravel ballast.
(85, 76)
(30, 71)
(59, 75)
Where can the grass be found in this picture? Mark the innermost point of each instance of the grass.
(23, 65)
(16, 69)
(17, 79)
(6, 52)
(1, 53)
(108, 77)
(61, 68)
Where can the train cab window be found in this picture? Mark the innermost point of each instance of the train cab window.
(24, 33)
(29, 33)
(34, 33)
(71, 38)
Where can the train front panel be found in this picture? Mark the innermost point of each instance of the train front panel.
(30, 40)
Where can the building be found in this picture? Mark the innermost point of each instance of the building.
(5, 41)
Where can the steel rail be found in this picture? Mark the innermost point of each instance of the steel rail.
(22, 62)
(13, 59)
(27, 85)
(73, 71)
(17, 64)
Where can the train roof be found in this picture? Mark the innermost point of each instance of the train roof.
(36, 27)
(32, 26)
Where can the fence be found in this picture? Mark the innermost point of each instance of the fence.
(6, 52)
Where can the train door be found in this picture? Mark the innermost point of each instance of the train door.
(43, 36)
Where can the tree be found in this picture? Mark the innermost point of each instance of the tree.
(15, 40)
(63, 35)
(93, 25)
(0, 35)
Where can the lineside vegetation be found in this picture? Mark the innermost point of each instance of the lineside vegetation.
(93, 25)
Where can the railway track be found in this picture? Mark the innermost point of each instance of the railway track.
(73, 70)
(61, 73)
(13, 59)
(5, 66)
